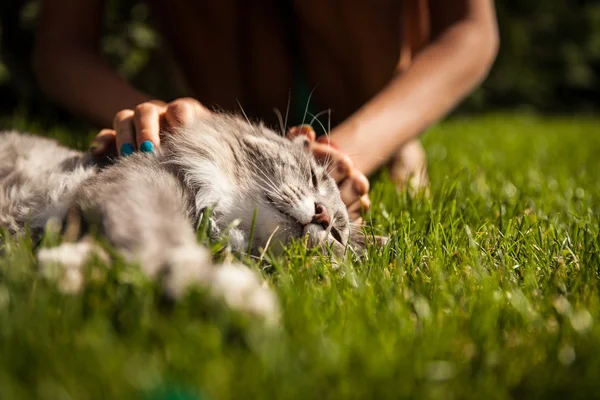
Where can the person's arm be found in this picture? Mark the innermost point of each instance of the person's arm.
(72, 71)
(464, 45)
(69, 65)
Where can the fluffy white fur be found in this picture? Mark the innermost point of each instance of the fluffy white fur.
(147, 206)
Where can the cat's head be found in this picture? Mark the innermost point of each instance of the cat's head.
(295, 196)
(248, 169)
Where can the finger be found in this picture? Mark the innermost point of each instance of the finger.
(355, 188)
(365, 203)
(358, 222)
(302, 130)
(354, 210)
(182, 112)
(339, 165)
(347, 193)
(123, 125)
(326, 139)
(304, 133)
(147, 125)
(360, 183)
(358, 208)
(103, 142)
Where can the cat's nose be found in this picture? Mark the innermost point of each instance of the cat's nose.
(321, 216)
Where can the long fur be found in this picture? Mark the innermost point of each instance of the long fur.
(147, 205)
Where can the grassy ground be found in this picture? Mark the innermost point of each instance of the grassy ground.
(490, 289)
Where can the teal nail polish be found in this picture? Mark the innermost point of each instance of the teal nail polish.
(126, 149)
(147, 147)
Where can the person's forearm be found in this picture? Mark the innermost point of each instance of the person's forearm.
(82, 82)
(439, 78)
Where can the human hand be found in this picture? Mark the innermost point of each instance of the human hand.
(139, 129)
(353, 184)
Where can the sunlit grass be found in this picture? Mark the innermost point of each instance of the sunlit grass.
(488, 289)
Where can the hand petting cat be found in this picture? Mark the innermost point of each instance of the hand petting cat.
(138, 129)
(353, 184)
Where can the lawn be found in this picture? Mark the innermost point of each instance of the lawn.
(489, 289)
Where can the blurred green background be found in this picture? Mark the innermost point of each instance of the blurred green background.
(549, 59)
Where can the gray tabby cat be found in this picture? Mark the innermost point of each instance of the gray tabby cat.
(148, 205)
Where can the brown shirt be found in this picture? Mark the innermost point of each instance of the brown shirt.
(256, 51)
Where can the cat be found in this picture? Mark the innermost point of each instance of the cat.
(253, 181)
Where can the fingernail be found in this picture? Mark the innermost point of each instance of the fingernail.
(305, 129)
(147, 147)
(342, 169)
(360, 187)
(126, 149)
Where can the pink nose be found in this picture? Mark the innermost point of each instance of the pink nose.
(321, 216)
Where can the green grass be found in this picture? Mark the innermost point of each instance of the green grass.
(490, 289)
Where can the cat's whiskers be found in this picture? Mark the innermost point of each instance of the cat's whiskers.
(327, 169)
(271, 190)
(352, 223)
(244, 112)
(265, 178)
(327, 162)
(268, 182)
(331, 224)
(287, 111)
(316, 118)
(307, 103)
(282, 122)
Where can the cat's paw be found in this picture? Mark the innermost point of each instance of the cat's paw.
(242, 289)
(65, 264)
